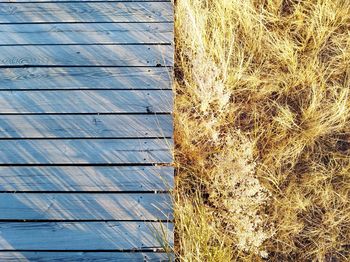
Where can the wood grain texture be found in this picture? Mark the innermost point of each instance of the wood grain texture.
(87, 55)
(86, 178)
(82, 151)
(85, 126)
(83, 235)
(97, 101)
(81, 206)
(86, 12)
(85, 78)
(92, 33)
(84, 257)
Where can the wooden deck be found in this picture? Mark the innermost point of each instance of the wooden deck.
(86, 130)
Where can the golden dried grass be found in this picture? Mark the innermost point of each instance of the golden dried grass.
(262, 130)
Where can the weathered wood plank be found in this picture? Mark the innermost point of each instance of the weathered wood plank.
(82, 206)
(87, 55)
(85, 78)
(86, 178)
(43, 256)
(91, 33)
(86, 12)
(85, 126)
(82, 151)
(55, 1)
(87, 101)
(83, 235)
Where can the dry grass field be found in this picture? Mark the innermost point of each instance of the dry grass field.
(262, 130)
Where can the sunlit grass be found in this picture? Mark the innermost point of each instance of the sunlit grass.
(262, 130)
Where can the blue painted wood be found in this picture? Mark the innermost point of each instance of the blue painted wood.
(82, 145)
(81, 206)
(86, 178)
(86, 101)
(56, 1)
(40, 78)
(86, 151)
(96, 236)
(80, 33)
(87, 55)
(85, 126)
(86, 12)
(85, 256)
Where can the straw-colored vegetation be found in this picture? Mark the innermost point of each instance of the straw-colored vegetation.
(262, 130)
